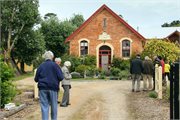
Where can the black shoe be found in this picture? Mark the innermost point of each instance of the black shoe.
(58, 102)
(132, 90)
(138, 91)
(68, 104)
(63, 105)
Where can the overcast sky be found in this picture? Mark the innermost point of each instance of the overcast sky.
(147, 15)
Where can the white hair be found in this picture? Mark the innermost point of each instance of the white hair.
(67, 63)
(146, 58)
(48, 55)
(57, 59)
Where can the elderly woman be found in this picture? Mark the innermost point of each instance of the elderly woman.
(48, 76)
(66, 84)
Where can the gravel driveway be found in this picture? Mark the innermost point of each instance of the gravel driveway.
(104, 100)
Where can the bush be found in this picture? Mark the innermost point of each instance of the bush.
(75, 61)
(8, 90)
(153, 94)
(89, 60)
(121, 64)
(102, 75)
(91, 70)
(81, 69)
(124, 74)
(115, 71)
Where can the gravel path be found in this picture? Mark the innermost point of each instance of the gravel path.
(102, 100)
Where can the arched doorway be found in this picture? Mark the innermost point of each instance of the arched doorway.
(104, 57)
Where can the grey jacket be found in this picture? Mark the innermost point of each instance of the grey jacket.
(67, 76)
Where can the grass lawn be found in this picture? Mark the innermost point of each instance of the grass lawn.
(23, 76)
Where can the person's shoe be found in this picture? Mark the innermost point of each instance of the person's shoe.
(69, 104)
(58, 102)
(145, 90)
(132, 90)
(138, 91)
(63, 105)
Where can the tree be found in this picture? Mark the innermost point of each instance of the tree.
(162, 48)
(28, 47)
(77, 20)
(17, 16)
(175, 23)
(55, 33)
(49, 15)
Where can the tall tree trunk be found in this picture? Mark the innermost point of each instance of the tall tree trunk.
(11, 62)
(22, 67)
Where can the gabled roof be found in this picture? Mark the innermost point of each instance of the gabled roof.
(98, 11)
(175, 32)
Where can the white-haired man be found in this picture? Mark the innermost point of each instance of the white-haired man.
(48, 76)
(66, 84)
(58, 61)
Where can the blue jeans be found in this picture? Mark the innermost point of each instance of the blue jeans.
(48, 97)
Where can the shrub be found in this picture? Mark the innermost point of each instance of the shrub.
(91, 70)
(89, 60)
(121, 64)
(8, 90)
(75, 61)
(115, 71)
(102, 75)
(153, 94)
(124, 74)
(81, 69)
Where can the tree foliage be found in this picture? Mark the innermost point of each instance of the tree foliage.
(175, 23)
(55, 32)
(18, 19)
(29, 46)
(162, 48)
(77, 20)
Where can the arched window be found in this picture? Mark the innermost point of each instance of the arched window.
(84, 47)
(125, 48)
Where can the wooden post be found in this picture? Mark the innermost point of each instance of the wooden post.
(36, 91)
(156, 78)
(160, 82)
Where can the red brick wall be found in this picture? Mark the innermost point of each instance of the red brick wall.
(115, 29)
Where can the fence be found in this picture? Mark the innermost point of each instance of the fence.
(174, 91)
(158, 80)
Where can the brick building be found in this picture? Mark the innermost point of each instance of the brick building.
(105, 35)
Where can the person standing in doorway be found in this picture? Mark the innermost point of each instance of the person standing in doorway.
(147, 73)
(66, 84)
(48, 76)
(136, 69)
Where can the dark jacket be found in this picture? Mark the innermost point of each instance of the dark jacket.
(136, 66)
(48, 76)
(148, 67)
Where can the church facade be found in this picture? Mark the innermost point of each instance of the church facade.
(105, 35)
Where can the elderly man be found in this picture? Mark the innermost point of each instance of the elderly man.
(58, 61)
(48, 76)
(136, 69)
